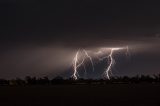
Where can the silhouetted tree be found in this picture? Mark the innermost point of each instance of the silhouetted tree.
(57, 80)
(31, 80)
(20, 81)
(156, 77)
(43, 81)
(4, 82)
(135, 79)
(146, 78)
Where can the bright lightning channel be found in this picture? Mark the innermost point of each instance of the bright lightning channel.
(85, 54)
(76, 63)
(75, 66)
(111, 63)
(90, 58)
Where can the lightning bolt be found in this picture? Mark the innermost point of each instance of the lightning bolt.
(75, 66)
(76, 63)
(106, 73)
(85, 55)
(111, 61)
(90, 58)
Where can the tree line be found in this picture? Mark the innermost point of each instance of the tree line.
(60, 80)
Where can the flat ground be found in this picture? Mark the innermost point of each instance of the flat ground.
(81, 95)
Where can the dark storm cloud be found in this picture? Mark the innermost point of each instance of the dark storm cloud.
(36, 34)
(77, 22)
(89, 16)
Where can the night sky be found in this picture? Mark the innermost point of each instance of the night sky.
(40, 38)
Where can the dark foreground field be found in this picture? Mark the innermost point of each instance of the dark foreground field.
(81, 95)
